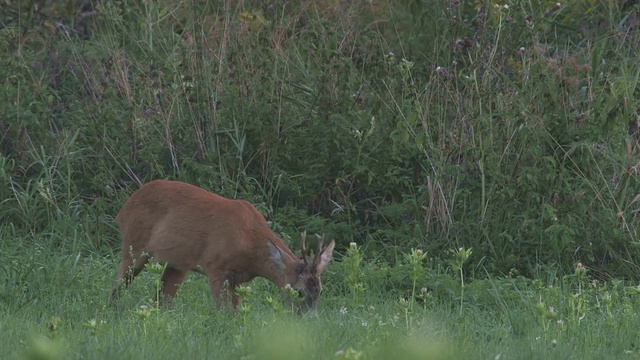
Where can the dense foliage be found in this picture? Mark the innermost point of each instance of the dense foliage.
(508, 127)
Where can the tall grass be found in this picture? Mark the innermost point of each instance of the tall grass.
(506, 127)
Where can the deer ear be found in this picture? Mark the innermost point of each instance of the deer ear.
(325, 256)
(275, 256)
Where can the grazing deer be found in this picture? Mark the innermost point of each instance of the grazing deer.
(190, 229)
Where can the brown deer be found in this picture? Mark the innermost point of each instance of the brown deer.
(190, 229)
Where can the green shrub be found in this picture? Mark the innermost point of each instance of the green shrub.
(502, 126)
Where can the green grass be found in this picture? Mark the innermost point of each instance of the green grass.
(54, 305)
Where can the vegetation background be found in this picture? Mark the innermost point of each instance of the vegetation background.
(500, 138)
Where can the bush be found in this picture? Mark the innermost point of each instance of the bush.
(508, 127)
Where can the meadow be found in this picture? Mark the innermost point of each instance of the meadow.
(55, 307)
(475, 161)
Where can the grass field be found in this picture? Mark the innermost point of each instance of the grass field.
(55, 307)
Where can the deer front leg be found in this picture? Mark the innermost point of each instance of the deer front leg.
(223, 287)
(130, 266)
(171, 280)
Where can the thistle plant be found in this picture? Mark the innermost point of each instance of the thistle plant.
(157, 269)
(274, 304)
(578, 303)
(414, 262)
(460, 256)
(353, 261)
(607, 302)
(245, 292)
(144, 313)
(92, 326)
(546, 315)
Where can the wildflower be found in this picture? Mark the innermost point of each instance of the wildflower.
(343, 311)
(353, 245)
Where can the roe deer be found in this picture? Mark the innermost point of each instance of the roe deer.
(190, 229)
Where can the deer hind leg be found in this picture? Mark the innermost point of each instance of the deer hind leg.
(235, 298)
(130, 266)
(231, 289)
(171, 280)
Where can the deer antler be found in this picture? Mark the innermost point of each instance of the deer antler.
(318, 254)
(304, 247)
(320, 243)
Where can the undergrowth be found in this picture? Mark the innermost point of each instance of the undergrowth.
(506, 127)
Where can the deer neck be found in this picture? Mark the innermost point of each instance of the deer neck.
(287, 274)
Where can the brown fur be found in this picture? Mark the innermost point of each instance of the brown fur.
(191, 229)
